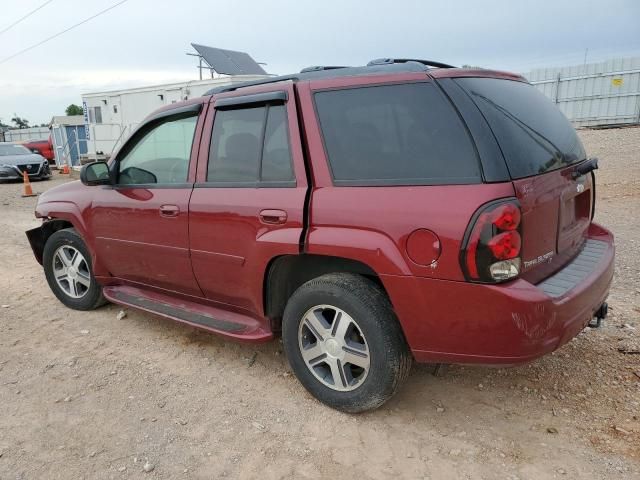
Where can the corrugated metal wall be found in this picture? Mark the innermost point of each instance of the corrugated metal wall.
(606, 93)
(24, 134)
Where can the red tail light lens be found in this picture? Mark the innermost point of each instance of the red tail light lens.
(492, 243)
(507, 217)
(505, 245)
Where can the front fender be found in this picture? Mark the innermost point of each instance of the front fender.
(63, 210)
(62, 214)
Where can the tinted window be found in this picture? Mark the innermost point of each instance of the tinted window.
(533, 134)
(237, 153)
(395, 134)
(276, 158)
(235, 145)
(161, 155)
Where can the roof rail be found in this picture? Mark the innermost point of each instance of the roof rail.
(235, 86)
(318, 68)
(390, 61)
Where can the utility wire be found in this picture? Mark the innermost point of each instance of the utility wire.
(6, 29)
(60, 33)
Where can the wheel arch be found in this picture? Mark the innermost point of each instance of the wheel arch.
(286, 273)
(38, 236)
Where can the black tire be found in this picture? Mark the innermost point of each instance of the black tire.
(93, 297)
(367, 304)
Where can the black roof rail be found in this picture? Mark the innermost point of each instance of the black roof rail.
(264, 81)
(389, 61)
(374, 66)
(318, 68)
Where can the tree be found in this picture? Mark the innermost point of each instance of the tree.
(20, 122)
(73, 109)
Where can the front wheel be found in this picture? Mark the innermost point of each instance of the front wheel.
(67, 266)
(344, 342)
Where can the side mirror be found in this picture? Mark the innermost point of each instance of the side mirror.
(95, 173)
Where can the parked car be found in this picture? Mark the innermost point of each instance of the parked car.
(16, 159)
(43, 147)
(372, 216)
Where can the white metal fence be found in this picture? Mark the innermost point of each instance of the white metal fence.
(606, 93)
(24, 134)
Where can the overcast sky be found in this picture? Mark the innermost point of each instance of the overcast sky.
(143, 42)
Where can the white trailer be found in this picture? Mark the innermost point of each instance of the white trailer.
(110, 117)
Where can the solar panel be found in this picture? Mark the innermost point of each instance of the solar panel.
(229, 62)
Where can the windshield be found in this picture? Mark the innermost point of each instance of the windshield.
(11, 149)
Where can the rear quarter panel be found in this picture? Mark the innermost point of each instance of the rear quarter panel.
(372, 224)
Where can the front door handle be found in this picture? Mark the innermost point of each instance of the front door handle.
(169, 211)
(273, 217)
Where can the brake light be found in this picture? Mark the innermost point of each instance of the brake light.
(505, 245)
(507, 217)
(493, 243)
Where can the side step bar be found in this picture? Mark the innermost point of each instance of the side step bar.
(228, 324)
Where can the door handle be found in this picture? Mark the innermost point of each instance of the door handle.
(273, 217)
(169, 211)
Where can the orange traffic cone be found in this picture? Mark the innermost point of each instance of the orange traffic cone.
(28, 192)
(65, 169)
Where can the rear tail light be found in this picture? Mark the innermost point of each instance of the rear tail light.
(493, 243)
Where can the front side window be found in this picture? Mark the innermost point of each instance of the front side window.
(250, 145)
(405, 134)
(162, 155)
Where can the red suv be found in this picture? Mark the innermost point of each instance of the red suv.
(370, 215)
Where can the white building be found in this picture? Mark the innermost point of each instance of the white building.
(110, 117)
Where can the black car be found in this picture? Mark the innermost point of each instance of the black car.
(16, 159)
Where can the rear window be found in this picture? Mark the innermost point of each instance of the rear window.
(535, 137)
(406, 134)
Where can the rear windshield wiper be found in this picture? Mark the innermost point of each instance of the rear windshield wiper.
(585, 167)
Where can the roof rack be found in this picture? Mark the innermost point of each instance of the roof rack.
(318, 68)
(325, 72)
(390, 61)
(235, 86)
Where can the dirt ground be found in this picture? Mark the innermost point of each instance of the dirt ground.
(85, 395)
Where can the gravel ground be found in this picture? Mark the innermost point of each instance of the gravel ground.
(88, 395)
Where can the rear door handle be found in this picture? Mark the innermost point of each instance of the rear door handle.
(273, 217)
(169, 211)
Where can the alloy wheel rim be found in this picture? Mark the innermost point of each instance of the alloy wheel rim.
(334, 348)
(71, 271)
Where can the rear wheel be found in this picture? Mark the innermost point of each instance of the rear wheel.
(344, 342)
(67, 266)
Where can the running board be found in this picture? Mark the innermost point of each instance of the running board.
(216, 320)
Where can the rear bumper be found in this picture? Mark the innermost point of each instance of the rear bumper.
(461, 322)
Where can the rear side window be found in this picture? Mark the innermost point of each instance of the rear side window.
(535, 137)
(250, 145)
(235, 145)
(406, 134)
